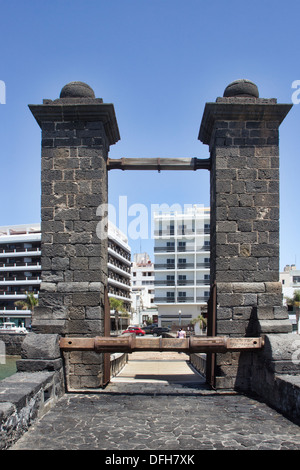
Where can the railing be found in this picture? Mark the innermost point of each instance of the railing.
(185, 265)
(19, 265)
(182, 282)
(172, 266)
(184, 299)
(19, 278)
(164, 266)
(164, 283)
(19, 250)
(164, 300)
(167, 249)
(18, 292)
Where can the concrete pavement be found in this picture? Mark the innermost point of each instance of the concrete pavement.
(158, 403)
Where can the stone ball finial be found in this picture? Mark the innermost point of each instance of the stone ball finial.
(241, 87)
(77, 90)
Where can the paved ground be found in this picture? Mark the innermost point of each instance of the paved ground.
(158, 403)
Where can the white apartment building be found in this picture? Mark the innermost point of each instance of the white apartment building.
(182, 265)
(20, 268)
(290, 280)
(119, 266)
(142, 285)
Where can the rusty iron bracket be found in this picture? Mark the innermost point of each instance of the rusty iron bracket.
(131, 343)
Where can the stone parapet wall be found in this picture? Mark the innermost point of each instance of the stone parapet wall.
(13, 343)
(275, 375)
(198, 361)
(25, 397)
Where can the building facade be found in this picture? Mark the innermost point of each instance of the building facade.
(182, 265)
(142, 282)
(20, 269)
(290, 280)
(119, 266)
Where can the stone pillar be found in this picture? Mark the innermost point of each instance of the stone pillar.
(77, 131)
(241, 130)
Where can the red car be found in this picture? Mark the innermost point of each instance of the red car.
(134, 329)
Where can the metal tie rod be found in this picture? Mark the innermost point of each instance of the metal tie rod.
(159, 164)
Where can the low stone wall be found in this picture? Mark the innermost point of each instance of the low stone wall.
(13, 343)
(198, 361)
(276, 374)
(117, 362)
(24, 397)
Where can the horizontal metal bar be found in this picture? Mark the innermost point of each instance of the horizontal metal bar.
(159, 164)
(131, 343)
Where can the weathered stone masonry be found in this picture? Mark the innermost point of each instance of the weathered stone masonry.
(241, 130)
(77, 131)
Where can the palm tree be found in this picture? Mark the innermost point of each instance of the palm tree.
(118, 306)
(201, 320)
(295, 303)
(29, 304)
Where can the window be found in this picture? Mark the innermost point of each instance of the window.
(170, 263)
(170, 296)
(170, 229)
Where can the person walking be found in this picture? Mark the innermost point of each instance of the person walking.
(181, 333)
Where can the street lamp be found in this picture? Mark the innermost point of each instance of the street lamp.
(179, 313)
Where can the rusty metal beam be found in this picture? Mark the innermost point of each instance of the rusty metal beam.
(159, 164)
(131, 343)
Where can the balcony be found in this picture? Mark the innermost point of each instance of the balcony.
(164, 249)
(185, 265)
(172, 300)
(164, 300)
(20, 252)
(20, 266)
(164, 265)
(203, 265)
(202, 298)
(165, 283)
(184, 299)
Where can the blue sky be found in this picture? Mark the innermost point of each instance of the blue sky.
(158, 61)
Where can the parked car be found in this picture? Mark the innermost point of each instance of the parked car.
(161, 331)
(149, 328)
(135, 330)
